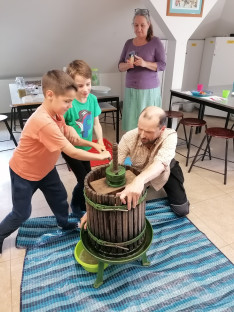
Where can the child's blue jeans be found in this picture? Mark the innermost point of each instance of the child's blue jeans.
(22, 192)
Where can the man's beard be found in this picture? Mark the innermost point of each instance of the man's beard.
(148, 142)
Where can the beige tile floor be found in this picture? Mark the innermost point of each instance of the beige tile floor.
(212, 207)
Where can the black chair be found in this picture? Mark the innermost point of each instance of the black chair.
(217, 132)
(191, 122)
(174, 114)
(4, 119)
(108, 108)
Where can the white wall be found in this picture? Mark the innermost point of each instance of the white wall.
(37, 36)
(225, 26)
(218, 22)
(179, 29)
(192, 66)
(40, 35)
(175, 27)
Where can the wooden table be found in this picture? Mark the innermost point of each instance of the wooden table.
(223, 105)
(17, 104)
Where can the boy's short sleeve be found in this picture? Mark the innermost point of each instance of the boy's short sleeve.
(96, 107)
(52, 137)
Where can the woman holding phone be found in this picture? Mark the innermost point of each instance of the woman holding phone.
(142, 58)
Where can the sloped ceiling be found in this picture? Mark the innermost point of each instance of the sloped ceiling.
(218, 23)
(40, 35)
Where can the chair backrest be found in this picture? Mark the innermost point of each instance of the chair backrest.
(3, 117)
(107, 107)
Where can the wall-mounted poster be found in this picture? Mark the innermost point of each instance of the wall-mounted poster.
(192, 8)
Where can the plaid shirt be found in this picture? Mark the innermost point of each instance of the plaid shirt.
(162, 150)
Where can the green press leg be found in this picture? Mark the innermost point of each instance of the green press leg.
(144, 260)
(99, 279)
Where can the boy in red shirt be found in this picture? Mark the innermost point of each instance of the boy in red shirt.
(32, 165)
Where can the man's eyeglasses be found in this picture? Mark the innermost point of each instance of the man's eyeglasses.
(141, 12)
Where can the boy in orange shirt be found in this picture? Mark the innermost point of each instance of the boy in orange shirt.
(32, 165)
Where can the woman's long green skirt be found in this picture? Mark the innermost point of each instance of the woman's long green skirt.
(135, 100)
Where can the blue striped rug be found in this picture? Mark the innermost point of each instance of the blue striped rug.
(187, 272)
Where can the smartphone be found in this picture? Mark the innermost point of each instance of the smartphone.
(131, 56)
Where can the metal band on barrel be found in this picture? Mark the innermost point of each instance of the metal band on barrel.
(111, 208)
(117, 245)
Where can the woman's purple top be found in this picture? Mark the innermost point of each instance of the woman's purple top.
(141, 77)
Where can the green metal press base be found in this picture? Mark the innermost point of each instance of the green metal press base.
(141, 252)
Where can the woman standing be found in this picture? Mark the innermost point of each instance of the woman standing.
(142, 57)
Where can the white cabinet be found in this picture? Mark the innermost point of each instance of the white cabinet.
(192, 65)
(217, 67)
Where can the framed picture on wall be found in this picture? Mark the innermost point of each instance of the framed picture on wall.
(191, 8)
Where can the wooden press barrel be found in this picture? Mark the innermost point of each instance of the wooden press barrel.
(113, 230)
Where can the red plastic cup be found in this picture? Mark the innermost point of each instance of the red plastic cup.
(200, 87)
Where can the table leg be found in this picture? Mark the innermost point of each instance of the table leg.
(117, 122)
(13, 119)
(11, 134)
(169, 120)
(12, 116)
(201, 112)
(20, 118)
(227, 120)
